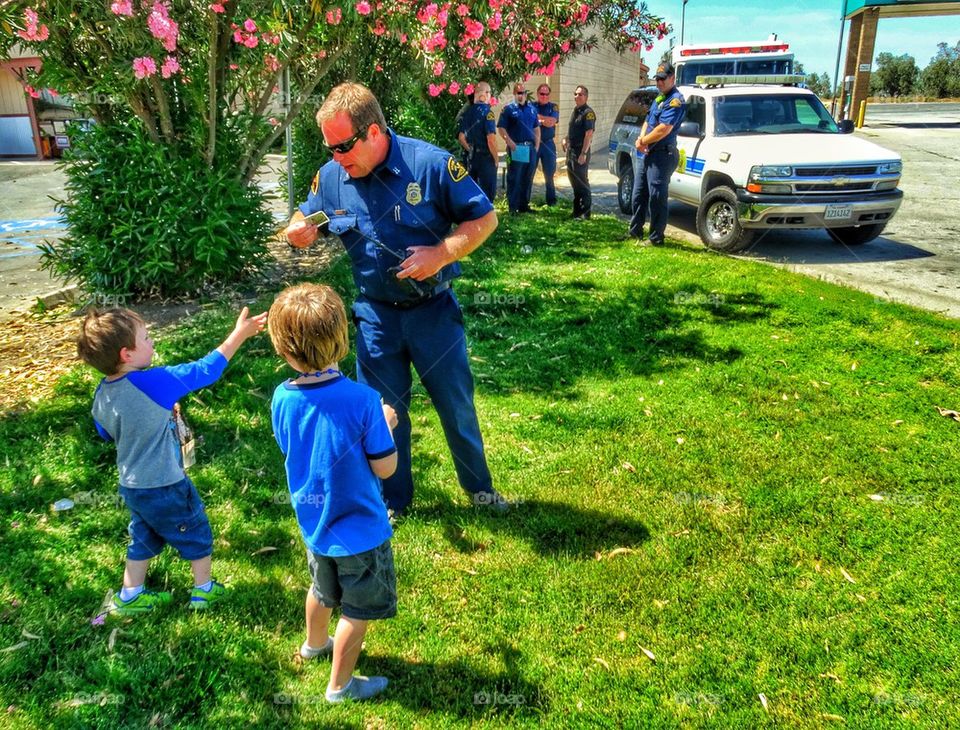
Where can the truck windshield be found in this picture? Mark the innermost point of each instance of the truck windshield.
(689, 70)
(769, 114)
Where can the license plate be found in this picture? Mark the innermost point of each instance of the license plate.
(838, 212)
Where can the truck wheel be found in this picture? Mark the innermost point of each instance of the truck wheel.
(856, 235)
(625, 189)
(718, 222)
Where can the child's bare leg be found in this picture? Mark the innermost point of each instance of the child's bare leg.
(201, 571)
(346, 650)
(135, 573)
(318, 622)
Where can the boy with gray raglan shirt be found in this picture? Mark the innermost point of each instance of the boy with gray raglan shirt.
(133, 407)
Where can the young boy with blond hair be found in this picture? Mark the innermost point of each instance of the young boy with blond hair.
(336, 438)
(133, 406)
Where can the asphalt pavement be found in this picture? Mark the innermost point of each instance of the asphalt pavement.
(916, 261)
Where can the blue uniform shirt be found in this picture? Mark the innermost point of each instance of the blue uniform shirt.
(519, 121)
(476, 123)
(550, 109)
(670, 110)
(412, 199)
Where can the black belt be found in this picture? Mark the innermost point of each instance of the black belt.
(412, 303)
(665, 148)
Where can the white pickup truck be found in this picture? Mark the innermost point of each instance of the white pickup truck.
(761, 153)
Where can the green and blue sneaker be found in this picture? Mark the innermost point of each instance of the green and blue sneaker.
(201, 600)
(144, 602)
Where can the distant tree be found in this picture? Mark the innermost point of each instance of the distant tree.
(941, 78)
(819, 84)
(895, 75)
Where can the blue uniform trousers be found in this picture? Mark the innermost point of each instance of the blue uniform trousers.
(484, 171)
(431, 338)
(519, 180)
(650, 191)
(547, 158)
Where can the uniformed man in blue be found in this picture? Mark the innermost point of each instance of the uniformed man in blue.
(392, 201)
(520, 129)
(477, 134)
(576, 144)
(658, 144)
(548, 114)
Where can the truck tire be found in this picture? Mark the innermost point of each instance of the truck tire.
(625, 188)
(856, 235)
(718, 222)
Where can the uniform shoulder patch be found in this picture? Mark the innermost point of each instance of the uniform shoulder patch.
(456, 170)
(675, 103)
(315, 185)
(556, 107)
(590, 117)
(490, 116)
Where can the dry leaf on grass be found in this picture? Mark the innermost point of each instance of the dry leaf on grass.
(649, 654)
(629, 467)
(112, 640)
(947, 413)
(847, 576)
(267, 549)
(15, 647)
(27, 635)
(615, 552)
(763, 701)
(601, 662)
(834, 718)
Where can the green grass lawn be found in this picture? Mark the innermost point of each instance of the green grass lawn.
(737, 506)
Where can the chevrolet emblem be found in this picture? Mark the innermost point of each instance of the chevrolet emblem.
(838, 181)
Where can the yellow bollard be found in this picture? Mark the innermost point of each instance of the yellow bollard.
(861, 114)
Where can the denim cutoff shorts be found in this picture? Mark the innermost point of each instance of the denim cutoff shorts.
(171, 515)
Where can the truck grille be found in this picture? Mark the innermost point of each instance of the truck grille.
(830, 188)
(845, 171)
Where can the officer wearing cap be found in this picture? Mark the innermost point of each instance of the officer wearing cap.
(520, 128)
(577, 146)
(477, 135)
(658, 144)
(392, 201)
(548, 114)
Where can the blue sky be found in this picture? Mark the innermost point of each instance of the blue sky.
(811, 27)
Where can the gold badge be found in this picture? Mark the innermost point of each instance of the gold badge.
(675, 103)
(490, 116)
(591, 116)
(315, 185)
(456, 170)
(414, 195)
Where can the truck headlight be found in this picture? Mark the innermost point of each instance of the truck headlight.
(890, 167)
(759, 172)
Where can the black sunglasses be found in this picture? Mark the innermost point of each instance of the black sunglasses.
(347, 144)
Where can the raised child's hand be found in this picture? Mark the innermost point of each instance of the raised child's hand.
(248, 326)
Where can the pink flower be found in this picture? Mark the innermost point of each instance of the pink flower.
(438, 68)
(436, 89)
(473, 28)
(251, 41)
(462, 10)
(271, 62)
(495, 21)
(233, 67)
(170, 67)
(454, 88)
(403, 37)
(531, 57)
(162, 28)
(32, 91)
(494, 101)
(363, 7)
(122, 7)
(565, 46)
(249, 25)
(34, 31)
(334, 16)
(274, 122)
(468, 89)
(144, 67)
(217, 8)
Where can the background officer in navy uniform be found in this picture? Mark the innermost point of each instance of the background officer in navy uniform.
(477, 135)
(548, 114)
(658, 143)
(519, 126)
(392, 201)
(577, 146)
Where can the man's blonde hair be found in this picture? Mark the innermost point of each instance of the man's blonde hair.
(358, 102)
(104, 333)
(308, 323)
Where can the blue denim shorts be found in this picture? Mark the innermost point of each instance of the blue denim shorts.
(171, 515)
(364, 585)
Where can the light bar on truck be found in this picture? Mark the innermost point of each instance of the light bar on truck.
(734, 50)
(770, 79)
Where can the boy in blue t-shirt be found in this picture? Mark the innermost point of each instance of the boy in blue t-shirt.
(133, 406)
(336, 438)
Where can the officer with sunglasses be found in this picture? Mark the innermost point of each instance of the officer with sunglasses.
(520, 129)
(548, 114)
(393, 201)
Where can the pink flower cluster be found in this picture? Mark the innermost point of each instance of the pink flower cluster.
(144, 67)
(35, 30)
(170, 67)
(247, 35)
(122, 7)
(363, 7)
(334, 16)
(162, 27)
(217, 8)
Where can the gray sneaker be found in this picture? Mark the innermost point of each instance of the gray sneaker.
(358, 688)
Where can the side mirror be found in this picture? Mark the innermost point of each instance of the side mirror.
(845, 126)
(689, 129)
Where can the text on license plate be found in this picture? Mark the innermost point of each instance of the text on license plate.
(838, 212)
